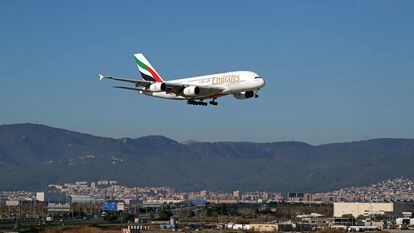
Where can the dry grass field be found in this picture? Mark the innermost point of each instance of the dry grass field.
(79, 230)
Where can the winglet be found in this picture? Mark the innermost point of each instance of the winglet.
(101, 76)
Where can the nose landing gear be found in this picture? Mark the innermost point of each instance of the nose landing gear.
(256, 94)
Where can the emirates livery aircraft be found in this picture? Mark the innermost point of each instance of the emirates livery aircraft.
(240, 84)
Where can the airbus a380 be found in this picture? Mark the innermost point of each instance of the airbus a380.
(240, 84)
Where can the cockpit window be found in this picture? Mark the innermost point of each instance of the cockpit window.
(256, 77)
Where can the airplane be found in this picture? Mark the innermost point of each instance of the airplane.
(241, 84)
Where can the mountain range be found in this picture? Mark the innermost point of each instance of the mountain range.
(33, 156)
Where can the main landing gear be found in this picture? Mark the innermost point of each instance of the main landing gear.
(194, 102)
(202, 103)
(213, 102)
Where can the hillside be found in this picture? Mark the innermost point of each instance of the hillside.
(33, 156)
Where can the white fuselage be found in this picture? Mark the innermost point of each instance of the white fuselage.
(231, 83)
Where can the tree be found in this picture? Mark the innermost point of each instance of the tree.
(165, 213)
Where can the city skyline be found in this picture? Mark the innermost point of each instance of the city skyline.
(397, 189)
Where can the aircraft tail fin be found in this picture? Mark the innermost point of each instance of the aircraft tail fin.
(147, 71)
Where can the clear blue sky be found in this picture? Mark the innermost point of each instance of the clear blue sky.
(335, 70)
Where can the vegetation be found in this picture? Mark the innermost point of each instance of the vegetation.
(78, 230)
(25, 149)
(165, 213)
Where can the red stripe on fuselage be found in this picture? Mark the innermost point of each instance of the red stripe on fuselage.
(213, 96)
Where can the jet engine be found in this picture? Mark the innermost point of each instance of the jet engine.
(157, 87)
(244, 95)
(191, 91)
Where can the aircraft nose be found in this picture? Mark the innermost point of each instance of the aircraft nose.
(262, 82)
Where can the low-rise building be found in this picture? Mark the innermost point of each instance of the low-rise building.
(82, 199)
(359, 208)
(236, 226)
(40, 196)
(264, 227)
(58, 207)
(12, 202)
(407, 219)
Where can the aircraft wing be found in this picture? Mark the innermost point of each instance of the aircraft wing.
(178, 88)
(128, 88)
(136, 82)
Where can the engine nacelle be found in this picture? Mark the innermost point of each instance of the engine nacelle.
(191, 91)
(244, 95)
(157, 87)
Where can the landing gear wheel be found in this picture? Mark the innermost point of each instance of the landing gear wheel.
(213, 102)
(193, 102)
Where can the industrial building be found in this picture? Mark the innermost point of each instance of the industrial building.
(264, 227)
(58, 207)
(361, 208)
